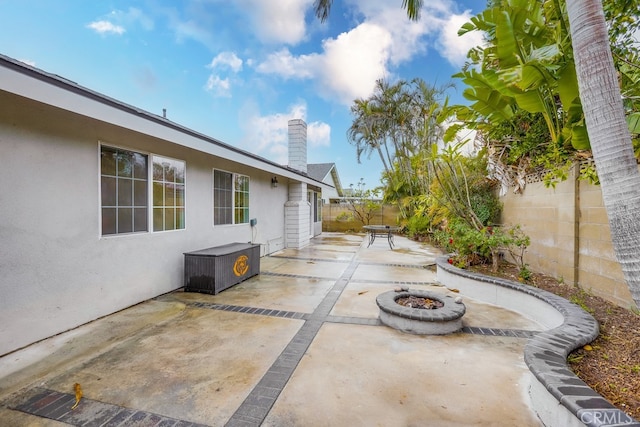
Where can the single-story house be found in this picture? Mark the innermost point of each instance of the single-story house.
(327, 173)
(99, 201)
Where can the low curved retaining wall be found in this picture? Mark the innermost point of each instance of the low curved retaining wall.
(558, 396)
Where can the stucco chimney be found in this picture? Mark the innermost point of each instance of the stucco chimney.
(298, 145)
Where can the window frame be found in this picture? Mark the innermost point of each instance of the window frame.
(165, 207)
(116, 195)
(234, 193)
(149, 193)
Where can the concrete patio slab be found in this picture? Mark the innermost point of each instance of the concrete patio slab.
(376, 376)
(300, 344)
(405, 251)
(198, 368)
(42, 360)
(393, 273)
(309, 267)
(359, 299)
(276, 292)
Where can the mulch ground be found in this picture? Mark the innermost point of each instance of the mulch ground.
(610, 364)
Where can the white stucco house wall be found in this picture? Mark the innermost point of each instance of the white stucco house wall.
(100, 200)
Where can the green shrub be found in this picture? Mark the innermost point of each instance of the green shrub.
(485, 203)
(418, 226)
(441, 239)
(469, 244)
(472, 246)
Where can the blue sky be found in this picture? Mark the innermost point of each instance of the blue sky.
(239, 70)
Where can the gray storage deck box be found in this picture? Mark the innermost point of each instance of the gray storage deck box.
(215, 269)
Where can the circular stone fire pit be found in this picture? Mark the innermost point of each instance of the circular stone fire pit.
(437, 321)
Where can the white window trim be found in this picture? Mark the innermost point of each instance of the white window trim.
(150, 157)
(233, 192)
(151, 206)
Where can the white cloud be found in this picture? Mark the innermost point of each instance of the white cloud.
(277, 21)
(116, 20)
(106, 27)
(354, 61)
(267, 135)
(405, 35)
(318, 134)
(287, 66)
(453, 47)
(349, 64)
(219, 87)
(437, 19)
(227, 60)
(348, 67)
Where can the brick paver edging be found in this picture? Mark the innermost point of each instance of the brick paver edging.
(546, 357)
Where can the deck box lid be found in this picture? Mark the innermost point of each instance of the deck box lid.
(223, 249)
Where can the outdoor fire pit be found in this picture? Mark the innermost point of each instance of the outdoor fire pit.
(420, 312)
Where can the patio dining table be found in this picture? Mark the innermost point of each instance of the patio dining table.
(381, 230)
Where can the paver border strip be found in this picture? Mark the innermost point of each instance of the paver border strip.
(545, 354)
(55, 405)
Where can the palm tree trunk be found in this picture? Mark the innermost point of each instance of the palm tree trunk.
(382, 158)
(608, 133)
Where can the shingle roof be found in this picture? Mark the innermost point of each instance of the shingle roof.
(319, 171)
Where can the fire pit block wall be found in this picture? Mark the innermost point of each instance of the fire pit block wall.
(440, 321)
(215, 269)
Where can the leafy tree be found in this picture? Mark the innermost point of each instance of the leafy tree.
(364, 204)
(527, 64)
(524, 72)
(399, 122)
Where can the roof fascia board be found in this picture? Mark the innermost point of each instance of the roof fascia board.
(55, 91)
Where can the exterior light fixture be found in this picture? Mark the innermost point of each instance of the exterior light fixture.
(274, 182)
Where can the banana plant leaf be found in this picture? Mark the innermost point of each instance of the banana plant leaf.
(633, 121)
(580, 137)
(531, 101)
(507, 49)
(568, 85)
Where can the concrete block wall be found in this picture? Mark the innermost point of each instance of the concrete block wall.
(570, 237)
(547, 216)
(599, 269)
